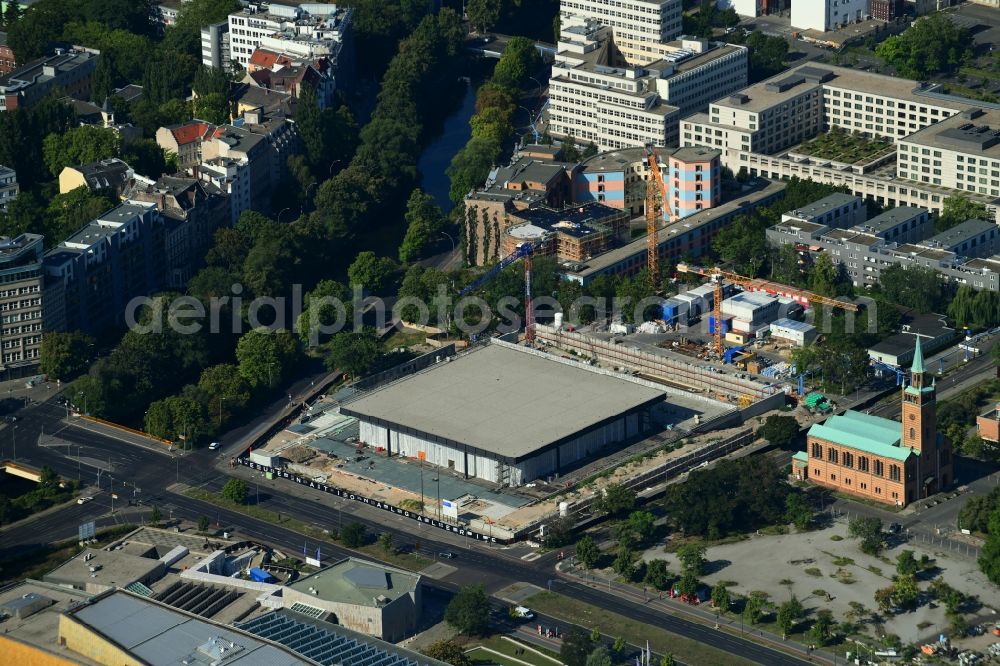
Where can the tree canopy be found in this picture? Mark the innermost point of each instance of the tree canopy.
(469, 611)
(933, 44)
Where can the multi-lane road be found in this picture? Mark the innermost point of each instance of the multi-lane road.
(44, 437)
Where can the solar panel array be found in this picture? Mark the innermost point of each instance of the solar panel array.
(321, 645)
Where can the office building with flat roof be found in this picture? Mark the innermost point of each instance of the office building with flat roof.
(21, 286)
(506, 434)
(823, 15)
(639, 26)
(596, 98)
(837, 210)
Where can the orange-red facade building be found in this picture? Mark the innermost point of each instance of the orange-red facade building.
(881, 459)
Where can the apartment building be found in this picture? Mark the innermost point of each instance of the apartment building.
(307, 31)
(284, 73)
(7, 63)
(191, 210)
(960, 153)
(185, 141)
(616, 179)
(111, 174)
(597, 99)
(694, 181)
(69, 71)
(9, 188)
(91, 276)
(216, 50)
(639, 26)
(21, 279)
(964, 254)
(886, 10)
(230, 177)
(837, 210)
(823, 15)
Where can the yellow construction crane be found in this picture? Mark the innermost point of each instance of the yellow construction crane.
(718, 276)
(656, 200)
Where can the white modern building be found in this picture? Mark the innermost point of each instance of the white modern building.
(798, 333)
(758, 128)
(307, 30)
(639, 25)
(823, 15)
(232, 177)
(215, 47)
(742, 7)
(594, 97)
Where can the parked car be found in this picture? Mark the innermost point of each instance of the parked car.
(213, 446)
(447, 555)
(84, 500)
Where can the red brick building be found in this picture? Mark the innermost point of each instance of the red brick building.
(881, 459)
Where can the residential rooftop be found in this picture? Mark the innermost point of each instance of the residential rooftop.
(827, 203)
(509, 402)
(890, 219)
(358, 582)
(959, 233)
(696, 154)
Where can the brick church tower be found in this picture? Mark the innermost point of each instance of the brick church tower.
(920, 428)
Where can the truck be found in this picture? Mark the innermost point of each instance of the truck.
(522, 612)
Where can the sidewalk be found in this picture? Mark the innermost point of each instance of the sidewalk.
(695, 613)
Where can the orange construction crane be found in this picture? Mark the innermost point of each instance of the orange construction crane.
(656, 200)
(718, 276)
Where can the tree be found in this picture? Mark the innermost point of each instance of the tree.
(385, 543)
(520, 59)
(884, 599)
(469, 611)
(576, 647)
(692, 558)
(264, 357)
(69, 211)
(798, 511)
(824, 276)
(449, 652)
(424, 220)
(957, 209)
(559, 532)
(869, 530)
(155, 516)
(756, 604)
(668, 660)
(203, 523)
(743, 243)
(353, 353)
(624, 564)
(587, 552)
(907, 564)
(905, 591)
(616, 499)
(657, 574)
(913, 286)
(599, 657)
(789, 613)
(720, 597)
(373, 274)
(235, 490)
(354, 535)
(483, 15)
(688, 583)
(641, 524)
(931, 45)
(213, 107)
(822, 629)
(79, 145)
(64, 355)
(470, 166)
(779, 429)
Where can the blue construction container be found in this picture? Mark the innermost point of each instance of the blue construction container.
(261, 576)
(727, 324)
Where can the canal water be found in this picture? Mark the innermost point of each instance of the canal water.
(437, 156)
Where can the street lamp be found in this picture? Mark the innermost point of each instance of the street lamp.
(280, 212)
(329, 171)
(449, 237)
(305, 198)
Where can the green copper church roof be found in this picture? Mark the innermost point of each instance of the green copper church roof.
(918, 358)
(871, 434)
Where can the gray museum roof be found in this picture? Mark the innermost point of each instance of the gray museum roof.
(505, 401)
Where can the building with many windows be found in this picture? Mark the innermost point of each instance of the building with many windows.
(597, 98)
(215, 48)
(9, 189)
(694, 181)
(21, 281)
(91, 276)
(306, 31)
(640, 26)
(878, 458)
(760, 128)
(823, 15)
(68, 71)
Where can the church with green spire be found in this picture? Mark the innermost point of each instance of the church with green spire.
(895, 462)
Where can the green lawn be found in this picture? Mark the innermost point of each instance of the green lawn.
(844, 147)
(407, 337)
(501, 644)
(481, 657)
(637, 633)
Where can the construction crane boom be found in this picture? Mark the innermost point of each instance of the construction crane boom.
(656, 200)
(717, 276)
(522, 251)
